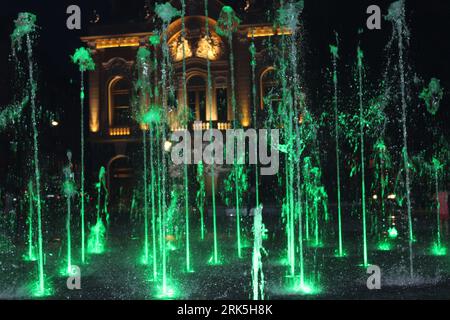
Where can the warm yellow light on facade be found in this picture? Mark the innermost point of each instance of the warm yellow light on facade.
(119, 131)
(94, 124)
(176, 49)
(117, 42)
(223, 125)
(208, 48)
(267, 31)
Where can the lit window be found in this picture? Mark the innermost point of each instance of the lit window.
(119, 102)
(197, 97)
(222, 99)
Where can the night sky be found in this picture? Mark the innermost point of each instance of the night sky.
(429, 55)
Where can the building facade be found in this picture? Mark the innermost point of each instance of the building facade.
(113, 134)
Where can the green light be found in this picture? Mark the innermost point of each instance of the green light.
(306, 289)
(213, 261)
(96, 240)
(200, 198)
(167, 291)
(37, 291)
(297, 285)
(213, 188)
(154, 39)
(258, 281)
(227, 9)
(144, 259)
(316, 244)
(166, 12)
(24, 25)
(24, 28)
(30, 256)
(432, 95)
(65, 271)
(438, 250)
(83, 58)
(152, 116)
(341, 254)
(334, 49)
(392, 232)
(384, 246)
(171, 246)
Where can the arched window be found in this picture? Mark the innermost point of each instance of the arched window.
(119, 102)
(269, 89)
(196, 88)
(222, 99)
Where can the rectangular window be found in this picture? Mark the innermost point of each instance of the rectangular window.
(222, 104)
(192, 102)
(202, 104)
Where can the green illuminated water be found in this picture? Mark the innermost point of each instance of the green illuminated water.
(360, 56)
(166, 12)
(396, 14)
(25, 27)
(258, 250)
(437, 167)
(69, 191)
(252, 50)
(147, 117)
(96, 243)
(31, 252)
(226, 25)
(334, 49)
(82, 58)
(303, 230)
(185, 169)
(215, 259)
(201, 198)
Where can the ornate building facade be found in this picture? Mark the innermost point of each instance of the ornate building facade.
(115, 136)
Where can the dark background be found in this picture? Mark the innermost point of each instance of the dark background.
(58, 78)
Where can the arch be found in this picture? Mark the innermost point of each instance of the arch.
(119, 96)
(221, 98)
(196, 45)
(196, 72)
(196, 91)
(110, 162)
(175, 26)
(266, 83)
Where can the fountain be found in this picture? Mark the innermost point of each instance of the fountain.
(226, 25)
(362, 126)
(82, 57)
(353, 140)
(215, 256)
(69, 191)
(25, 26)
(96, 243)
(334, 49)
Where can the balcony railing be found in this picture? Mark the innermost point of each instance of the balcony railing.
(198, 125)
(195, 126)
(119, 132)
